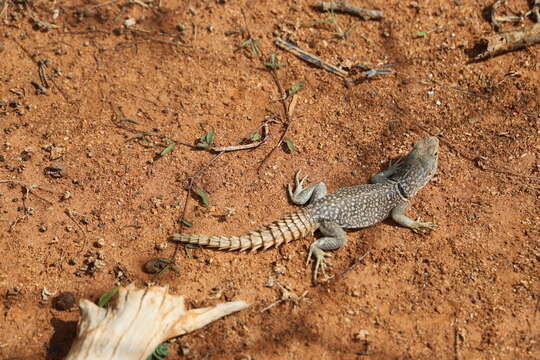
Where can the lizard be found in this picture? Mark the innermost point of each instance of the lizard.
(387, 195)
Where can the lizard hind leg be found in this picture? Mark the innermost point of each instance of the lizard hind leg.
(334, 238)
(398, 215)
(311, 193)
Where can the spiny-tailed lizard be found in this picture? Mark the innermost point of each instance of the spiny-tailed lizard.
(359, 206)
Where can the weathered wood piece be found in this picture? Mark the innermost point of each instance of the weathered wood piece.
(507, 41)
(345, 7)
(139, 322)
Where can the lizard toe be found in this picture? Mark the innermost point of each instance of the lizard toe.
(320, 260)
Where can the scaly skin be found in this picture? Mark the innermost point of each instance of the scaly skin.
(358, 206)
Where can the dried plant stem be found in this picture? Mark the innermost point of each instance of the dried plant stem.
(345, 7)
(508, 41)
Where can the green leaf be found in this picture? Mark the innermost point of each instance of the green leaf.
(167, 149)
(296, 87)
(203, 196)
(106, 297)
(253, 44)
(255, 136)
(290, 145)
(421, 34)
(209, 137)
(160, 353)
(186, 222)
(273, 62)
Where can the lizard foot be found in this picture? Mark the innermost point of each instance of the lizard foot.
(421, 227)
(320, 261)
(298, 185)
(394, 165)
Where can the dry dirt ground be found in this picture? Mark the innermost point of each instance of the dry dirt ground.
(107, 202)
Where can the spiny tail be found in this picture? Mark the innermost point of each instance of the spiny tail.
(292, 227)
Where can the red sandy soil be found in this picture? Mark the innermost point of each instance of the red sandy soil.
(468, 290)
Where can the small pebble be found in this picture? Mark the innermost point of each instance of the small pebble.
(65, 196)
(161, 246)
(45, 294)
(42, 228)
(64, 301)
(56, 170)
(362, 335)
(130, 22)
(26, 154)
(153, 266)
(99, 243)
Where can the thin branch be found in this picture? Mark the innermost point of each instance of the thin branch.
(506, 41)
(29, 188)
(282, 96)
(310, 58)
(244, 146)
(345, 7)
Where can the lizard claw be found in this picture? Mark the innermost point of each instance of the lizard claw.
(299, 181)
(320, 261)
(421, 227)
(393, 165)
(298, 185)
(289, 187)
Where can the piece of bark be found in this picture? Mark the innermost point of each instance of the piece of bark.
(140, 321)
(345, 7)
(507, 41)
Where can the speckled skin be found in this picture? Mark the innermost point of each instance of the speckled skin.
(356, 206)
(352, 207)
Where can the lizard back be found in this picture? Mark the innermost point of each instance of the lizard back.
(357, 206)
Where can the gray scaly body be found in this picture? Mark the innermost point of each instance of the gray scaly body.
(357, 206)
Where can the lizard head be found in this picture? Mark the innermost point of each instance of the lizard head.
(420, 165)
(426, 152)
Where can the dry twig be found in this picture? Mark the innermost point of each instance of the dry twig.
(496, 21)
(345, 7)
(4, 8)
(507, 41)
(282, 95)
(251, 145)
(29, 189)
(458, 343)
(287, 295)
(310, 58)
(535, 10)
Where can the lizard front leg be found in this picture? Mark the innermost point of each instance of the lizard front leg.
(398, 215)
(334, 238)
(311, 193)
(383, 176)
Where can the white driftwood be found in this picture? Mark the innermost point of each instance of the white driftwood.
(139, 322)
